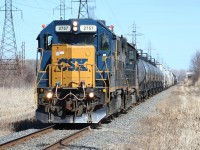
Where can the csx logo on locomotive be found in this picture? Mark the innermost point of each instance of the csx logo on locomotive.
(71, 62)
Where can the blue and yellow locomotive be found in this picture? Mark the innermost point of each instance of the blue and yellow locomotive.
(86, 73)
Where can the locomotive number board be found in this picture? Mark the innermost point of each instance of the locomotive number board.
(88, 28)
(63, 28)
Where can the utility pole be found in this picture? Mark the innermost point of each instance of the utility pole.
(83, 11)
(8, 50)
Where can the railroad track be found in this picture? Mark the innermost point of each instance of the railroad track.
(23, 139)
(66, 140)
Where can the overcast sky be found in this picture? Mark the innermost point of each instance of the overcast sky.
(171, 26)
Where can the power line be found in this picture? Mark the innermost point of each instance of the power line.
(40, 8)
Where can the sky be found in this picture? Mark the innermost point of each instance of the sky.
(170, 28)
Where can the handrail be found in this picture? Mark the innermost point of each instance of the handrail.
(35, 84)
(97, 70)
(100, 73)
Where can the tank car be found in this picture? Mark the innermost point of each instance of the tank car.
(150, 77)
(169, 78)
(85, 72)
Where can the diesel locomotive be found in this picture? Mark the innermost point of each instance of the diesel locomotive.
(85, 72)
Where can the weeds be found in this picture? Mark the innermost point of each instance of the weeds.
(16, 98)
(178, 124)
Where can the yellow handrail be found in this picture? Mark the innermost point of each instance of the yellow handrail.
(35, 86)
(50, 68)
(107, 71)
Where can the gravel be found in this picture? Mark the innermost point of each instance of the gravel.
(117, 134)
(44, 141)
(16, 135)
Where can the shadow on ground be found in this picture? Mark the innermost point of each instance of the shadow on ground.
(28, 124)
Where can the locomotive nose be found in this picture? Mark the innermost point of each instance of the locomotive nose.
(73, 64)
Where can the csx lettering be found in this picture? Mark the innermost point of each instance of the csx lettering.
(71, 63)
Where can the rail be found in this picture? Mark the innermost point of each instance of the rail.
(66, 140)
(20, 140)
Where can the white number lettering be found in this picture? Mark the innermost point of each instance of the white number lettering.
(63, 28)
(88, 28)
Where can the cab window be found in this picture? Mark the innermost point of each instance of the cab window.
(48, 41)
(104, 41)
(131, 55)
(79, 39)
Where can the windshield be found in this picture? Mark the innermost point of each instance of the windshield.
(73, 39)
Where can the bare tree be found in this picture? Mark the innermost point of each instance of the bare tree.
(195, 65)
(26, 78)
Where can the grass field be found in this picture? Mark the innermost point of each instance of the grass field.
(17, 104)
(178, 124)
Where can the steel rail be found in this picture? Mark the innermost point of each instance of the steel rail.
(26, 137)
(66, 140)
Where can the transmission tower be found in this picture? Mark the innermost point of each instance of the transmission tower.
(149, 48)
(62, 9)
(133, 33)
(83, 11)
(22, 55)
(8, 51)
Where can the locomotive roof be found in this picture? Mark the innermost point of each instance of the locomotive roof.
(50, 28)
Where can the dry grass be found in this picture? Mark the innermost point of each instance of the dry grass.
(17, 104)
(178, 124)
(16, 97)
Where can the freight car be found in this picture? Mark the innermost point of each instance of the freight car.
(85, 72)
(169, 79)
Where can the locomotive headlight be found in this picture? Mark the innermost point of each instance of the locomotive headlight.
(75, 23)
(49, 94)
(75, 28)
(91, 94)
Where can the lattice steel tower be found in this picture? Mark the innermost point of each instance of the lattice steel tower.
(62, 9)
(83, 11)
(9, 58)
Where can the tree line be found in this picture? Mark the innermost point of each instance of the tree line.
(195, 65)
